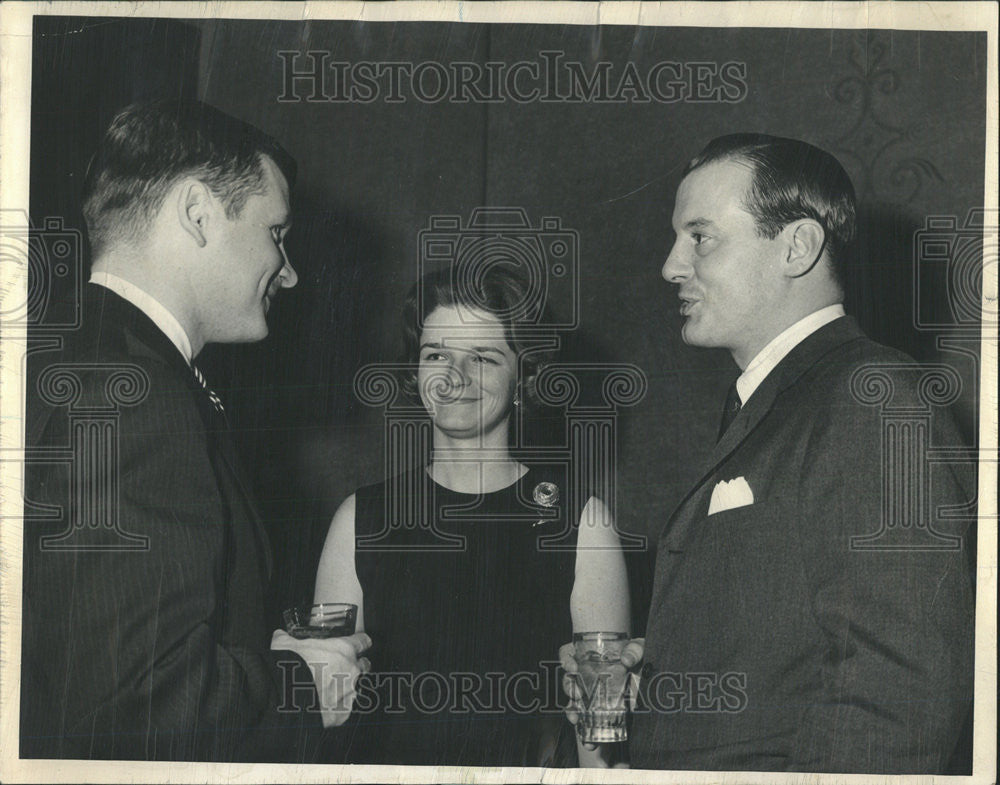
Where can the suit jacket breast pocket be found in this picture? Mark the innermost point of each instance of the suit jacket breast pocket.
(742, 569)
(754, 529)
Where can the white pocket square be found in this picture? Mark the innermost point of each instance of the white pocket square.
(730, 494)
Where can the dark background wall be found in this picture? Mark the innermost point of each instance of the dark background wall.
(903, 111)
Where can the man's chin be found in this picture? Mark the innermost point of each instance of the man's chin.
(263, 327)
(692, 336)
(258, 332)
(689, 334)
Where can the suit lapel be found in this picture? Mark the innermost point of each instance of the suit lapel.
(226, 452)
(800, 359)
(108, 308)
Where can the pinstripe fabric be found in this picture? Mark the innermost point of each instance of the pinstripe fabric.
(160, 652)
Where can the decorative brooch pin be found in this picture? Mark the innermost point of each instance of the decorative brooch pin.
(546, 494)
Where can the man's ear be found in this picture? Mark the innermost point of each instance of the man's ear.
(194, 209)
(806, 241)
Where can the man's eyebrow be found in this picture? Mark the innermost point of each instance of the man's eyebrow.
(437, 345)
(697, 223)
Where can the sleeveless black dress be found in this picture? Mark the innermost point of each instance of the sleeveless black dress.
(466, 599)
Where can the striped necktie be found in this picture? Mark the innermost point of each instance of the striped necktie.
(733, 406)
(216, 401)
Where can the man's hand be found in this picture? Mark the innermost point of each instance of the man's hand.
(631, 656)
(335, 664)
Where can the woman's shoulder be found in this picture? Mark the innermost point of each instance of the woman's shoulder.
(408, 478)
(372, 501)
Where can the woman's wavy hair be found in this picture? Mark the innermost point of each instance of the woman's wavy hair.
(497, 290)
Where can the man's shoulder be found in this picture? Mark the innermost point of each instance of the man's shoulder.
(108, 356)
(847, 374)
(112, 330)
(861, 352)
(853, 355)
(110, 363)
(859, 380)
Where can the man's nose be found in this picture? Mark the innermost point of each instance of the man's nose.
(287, 274)
(677, 268)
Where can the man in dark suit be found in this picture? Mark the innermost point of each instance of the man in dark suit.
(811, 611)
(146, 563)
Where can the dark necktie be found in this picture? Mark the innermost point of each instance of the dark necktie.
(216, 401)
(733, 406)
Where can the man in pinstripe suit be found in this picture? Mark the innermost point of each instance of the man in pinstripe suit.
(144, 634)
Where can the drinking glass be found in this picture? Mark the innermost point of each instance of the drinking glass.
(603, 681)
(322, 620)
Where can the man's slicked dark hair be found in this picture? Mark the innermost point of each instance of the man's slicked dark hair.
(791, 180)
(150, 145)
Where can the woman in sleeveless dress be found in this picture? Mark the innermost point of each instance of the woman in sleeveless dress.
(471, 570)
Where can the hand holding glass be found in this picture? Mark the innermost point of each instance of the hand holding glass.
(324, 620)
(602, 680)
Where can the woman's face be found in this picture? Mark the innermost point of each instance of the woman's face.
(467, 374)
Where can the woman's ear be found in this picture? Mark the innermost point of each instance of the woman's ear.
(526, 391)
(408, 384)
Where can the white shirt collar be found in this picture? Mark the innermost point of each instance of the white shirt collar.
(772, 354)
(150, 306)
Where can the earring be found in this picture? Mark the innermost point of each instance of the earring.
(517, 401)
